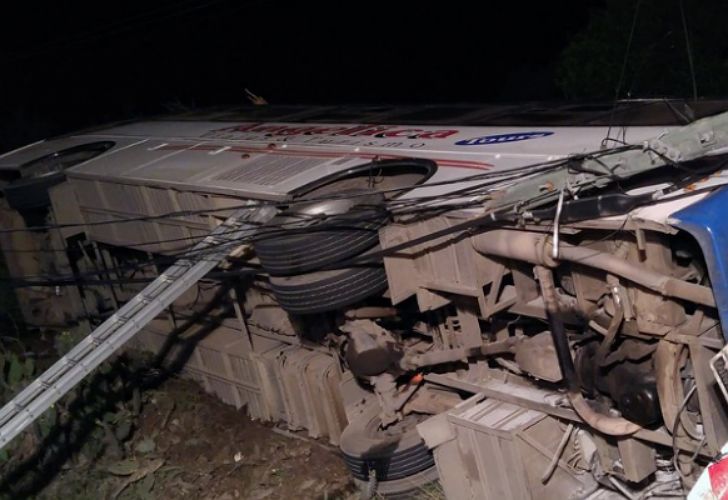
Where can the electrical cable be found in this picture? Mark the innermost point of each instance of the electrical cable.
(496, 177)
(501, 177)
(214, 275)
(271, 230)
(491, 218)
(194, 254)
(689, 50)
(370, 259)
(377, 257)
(470, 225)
(623, 71)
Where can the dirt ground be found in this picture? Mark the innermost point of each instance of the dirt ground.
(188, 444)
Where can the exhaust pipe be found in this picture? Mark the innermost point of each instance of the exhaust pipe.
(534, 248)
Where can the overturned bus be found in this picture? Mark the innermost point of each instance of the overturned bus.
(519, 301)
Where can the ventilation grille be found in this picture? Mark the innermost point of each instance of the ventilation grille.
(269, 169)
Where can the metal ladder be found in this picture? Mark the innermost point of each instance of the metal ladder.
(113, 333)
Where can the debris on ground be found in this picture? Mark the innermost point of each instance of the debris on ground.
(187, 444)
(135, 431)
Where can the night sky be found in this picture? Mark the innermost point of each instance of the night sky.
(68, 65)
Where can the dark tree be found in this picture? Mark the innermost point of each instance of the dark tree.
(657, 62)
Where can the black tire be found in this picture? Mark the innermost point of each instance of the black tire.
(31, 193)
(328, 290)
(318, 245)
(399, 457)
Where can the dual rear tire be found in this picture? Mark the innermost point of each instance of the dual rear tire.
(308, 254)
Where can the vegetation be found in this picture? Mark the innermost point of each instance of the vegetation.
(656, 60)
(95, 419)
(133, 433)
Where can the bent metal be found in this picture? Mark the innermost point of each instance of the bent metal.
(540, 330)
